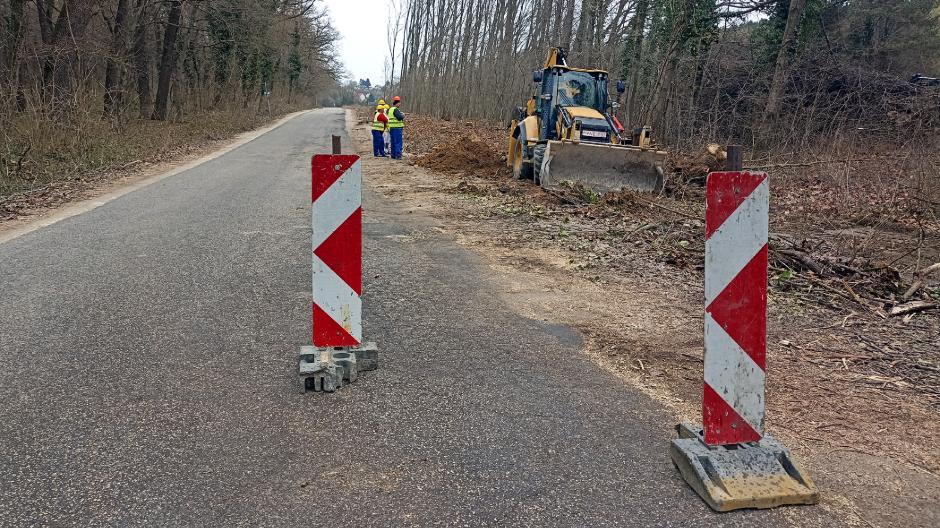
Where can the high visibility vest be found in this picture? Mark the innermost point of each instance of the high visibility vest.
(376, 124)
(394, 122)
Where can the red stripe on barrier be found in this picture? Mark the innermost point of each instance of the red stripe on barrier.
(326, 332)
(328, 169)
(742, 306)
(726, 191)
(722, 424)
(342, 251)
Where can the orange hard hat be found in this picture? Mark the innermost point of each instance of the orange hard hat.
(396, 99)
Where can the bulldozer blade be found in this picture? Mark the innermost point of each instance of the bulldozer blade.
(602, 168)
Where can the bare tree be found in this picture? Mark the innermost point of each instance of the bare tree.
(61, 28)
(75, 72)
(142, 60)
(782, 66)
(696, 69)
(394, 33)
(168, 60)
(114, 71)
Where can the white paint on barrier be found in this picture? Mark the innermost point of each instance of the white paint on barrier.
(741, 236)
(337, 204)
(733, 374)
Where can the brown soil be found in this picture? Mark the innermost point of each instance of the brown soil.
(463, 155)
(441, 132)
(852, 390)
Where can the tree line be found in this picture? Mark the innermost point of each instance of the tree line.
(159, 59)
(742, 70)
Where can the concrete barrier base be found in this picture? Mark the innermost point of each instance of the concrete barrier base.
(326, 369)
(759, 474)
(367, 356)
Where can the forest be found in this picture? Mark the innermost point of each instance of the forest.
(86, 84)
(778, 74)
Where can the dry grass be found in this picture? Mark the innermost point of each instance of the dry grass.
(830, 335)
(44, 161)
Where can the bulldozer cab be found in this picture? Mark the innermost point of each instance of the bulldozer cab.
(581, 89)
(561, 86)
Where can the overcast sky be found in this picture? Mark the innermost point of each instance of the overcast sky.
(362, 24)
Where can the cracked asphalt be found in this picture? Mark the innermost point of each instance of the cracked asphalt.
(148, 375)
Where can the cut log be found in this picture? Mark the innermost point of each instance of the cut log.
(913, 306)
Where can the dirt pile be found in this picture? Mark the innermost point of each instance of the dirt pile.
(694, 169)
(424, 133)
(464, 155)
(467, 147)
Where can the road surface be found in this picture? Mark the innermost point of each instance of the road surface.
(148, 375)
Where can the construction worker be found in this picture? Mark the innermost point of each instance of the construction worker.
(386, 136)
(396, 125)
(379, 126)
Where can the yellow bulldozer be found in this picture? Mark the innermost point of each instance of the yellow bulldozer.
(567, 132)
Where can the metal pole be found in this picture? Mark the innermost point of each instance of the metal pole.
(734, 162)
(336, 144)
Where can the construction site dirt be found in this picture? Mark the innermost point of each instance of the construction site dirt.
(853, 330)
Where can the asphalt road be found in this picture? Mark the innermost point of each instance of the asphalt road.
(147, 376)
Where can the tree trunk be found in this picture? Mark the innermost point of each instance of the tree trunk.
(581, 35)
(636, 37)
(113, 76)
(168, 60)
(566, 25)
(142, 62)
(61, 40)
(508, 32)
(14, 34)
(660, 106)
(782, 67)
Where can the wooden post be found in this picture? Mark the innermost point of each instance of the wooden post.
(336, 145)
(734, 163)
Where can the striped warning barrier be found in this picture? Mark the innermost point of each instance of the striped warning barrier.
(337, 250)
(338, 354)
(729, 461)
(736, 220)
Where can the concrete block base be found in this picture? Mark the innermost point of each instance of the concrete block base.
(367, 356)
(759, 474)
(328, 369)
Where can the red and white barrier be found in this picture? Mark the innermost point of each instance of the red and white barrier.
(337, 250)
(765, 474)
(736, 222)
